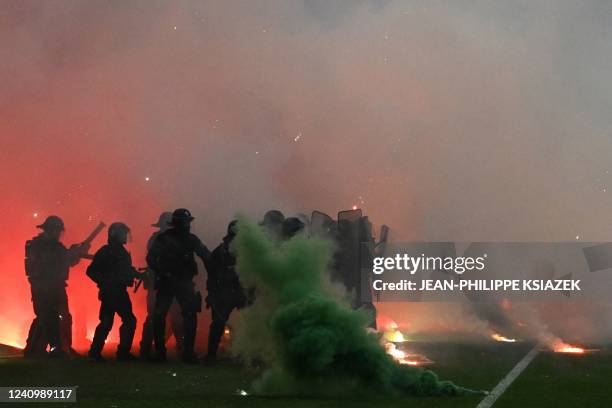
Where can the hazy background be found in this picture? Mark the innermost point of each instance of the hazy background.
(447, 120)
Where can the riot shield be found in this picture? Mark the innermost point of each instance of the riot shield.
(322, 225)
(350, 215)
(349, 253)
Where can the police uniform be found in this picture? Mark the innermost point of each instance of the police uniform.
(113, 272)
(224, 290)
(146, 341)
(47, 263)
(172, 258)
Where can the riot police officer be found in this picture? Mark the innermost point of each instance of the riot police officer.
(146, 341)
(290, 227)
(112, 270)
(172, 258)
(224, 290)
(273, 223)
(47, 264)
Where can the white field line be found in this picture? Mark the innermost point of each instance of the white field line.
(500, 388)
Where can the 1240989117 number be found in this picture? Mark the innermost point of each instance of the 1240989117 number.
(38, 393)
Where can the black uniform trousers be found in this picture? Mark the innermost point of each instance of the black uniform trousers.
(220, 313)
(116, 300)
(146, 341)
(45, 328)
(184, 292)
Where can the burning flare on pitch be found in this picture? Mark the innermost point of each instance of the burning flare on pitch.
(499, 337)
(562, 347)
(391, 337)
(404, 358)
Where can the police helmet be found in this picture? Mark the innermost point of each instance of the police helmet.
(52, 222)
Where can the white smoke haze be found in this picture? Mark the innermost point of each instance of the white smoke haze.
(448, 121)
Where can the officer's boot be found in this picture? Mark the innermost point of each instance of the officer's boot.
(52, 329)
(126, 336)
(100, 335)
(190, 325)
(35, 344)
(214, 337)
(159, 337)
(146, 341)
(66, 334)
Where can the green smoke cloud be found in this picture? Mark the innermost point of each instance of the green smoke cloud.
(311, 342)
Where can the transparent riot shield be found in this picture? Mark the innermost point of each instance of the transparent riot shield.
(322, 225)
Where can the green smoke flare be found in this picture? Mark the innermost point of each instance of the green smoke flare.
(311, 342)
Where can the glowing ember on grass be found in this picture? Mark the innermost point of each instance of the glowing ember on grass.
(499, 337)
(559, 346)
(566, 348)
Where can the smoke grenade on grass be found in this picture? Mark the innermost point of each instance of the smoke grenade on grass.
(311, 342)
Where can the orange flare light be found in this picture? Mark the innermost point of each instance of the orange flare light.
(401, 357)
(499, 337)
(566, 348)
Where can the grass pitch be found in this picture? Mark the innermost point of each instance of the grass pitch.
(552, 380)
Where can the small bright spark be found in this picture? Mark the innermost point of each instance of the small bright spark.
(354, 207)
(298, 137)
(35, 215)
(577, 237)
(147, 178)
(174, 27)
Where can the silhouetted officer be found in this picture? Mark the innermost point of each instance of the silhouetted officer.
(291, 227)
(224, 290)
(273, 223)
(47, 263)
(176, 324)
(172, 258)
(113, 272)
